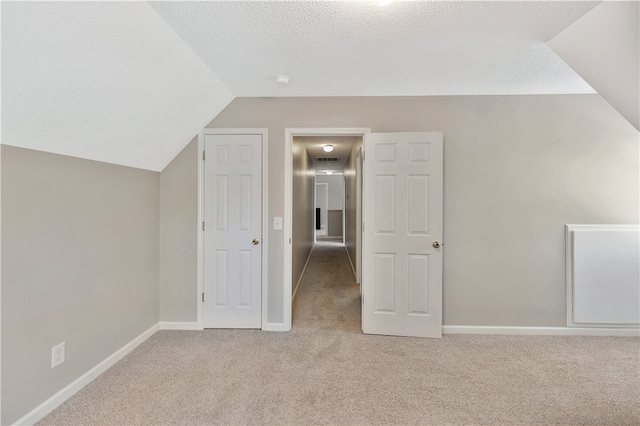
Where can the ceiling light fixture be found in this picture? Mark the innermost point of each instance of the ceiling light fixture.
(327, 148)
(282, 79)
(329, 172)
(384, 2)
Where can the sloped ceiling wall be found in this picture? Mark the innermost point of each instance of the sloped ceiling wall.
(131, 83)
(103, 81)
(604, 48)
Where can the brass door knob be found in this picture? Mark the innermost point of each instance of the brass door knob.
(255, 242)
(436, 244)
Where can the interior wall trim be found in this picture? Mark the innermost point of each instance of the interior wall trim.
(353, 268)
(72, 388)
(295, 291)
(540, 331)
(178, 325)
(275, 326)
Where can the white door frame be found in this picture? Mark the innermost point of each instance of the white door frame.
(265, 218)
(359, 170)
(288, 193)
(344, 212)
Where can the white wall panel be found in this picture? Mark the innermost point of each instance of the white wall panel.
(603, 275)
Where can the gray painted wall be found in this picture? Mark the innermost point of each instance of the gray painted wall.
(516, 169)
(322, 197)
(334, 226)
(336, 190)
(178, 236)
(351, 226)
(303, 191)
(81, 239)
(79, 265)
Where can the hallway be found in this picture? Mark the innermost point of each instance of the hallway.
(328, 297)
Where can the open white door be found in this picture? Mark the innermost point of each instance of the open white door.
(402, 254)
(359, 218)
(232, 231)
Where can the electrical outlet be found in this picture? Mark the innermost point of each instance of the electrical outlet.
(57, 355)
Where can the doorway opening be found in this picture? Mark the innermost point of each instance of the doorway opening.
(401, 229)
(322, 208)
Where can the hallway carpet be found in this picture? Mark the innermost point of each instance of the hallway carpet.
(326, 372)
(328, 297)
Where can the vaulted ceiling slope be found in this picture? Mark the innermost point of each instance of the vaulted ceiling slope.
(360, 49)
(131, 83)
(604, 48)
(103, 81)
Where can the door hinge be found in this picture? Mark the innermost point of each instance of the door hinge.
(203, 297)
(362, 226)
(203, 225)
(363, 298)
(203, 155)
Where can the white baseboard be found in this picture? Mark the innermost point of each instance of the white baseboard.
(275, 326)
(353, 268)
(178, 325)
(302, 275)
(57, 399)
(68, 391)
(540, 331)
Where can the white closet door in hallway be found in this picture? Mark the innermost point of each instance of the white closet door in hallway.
(402, 254)
(233, 231)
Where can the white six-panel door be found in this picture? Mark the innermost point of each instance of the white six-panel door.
(233, 232)
(402, 259)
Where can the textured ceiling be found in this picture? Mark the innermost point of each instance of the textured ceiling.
(342, 147)
(361, 49)
(131, 83)
(103, 81)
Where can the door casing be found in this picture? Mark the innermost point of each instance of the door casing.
(359, 218)
(264, 223)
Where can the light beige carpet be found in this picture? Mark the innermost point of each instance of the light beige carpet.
(326, 372)
(324, 239)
